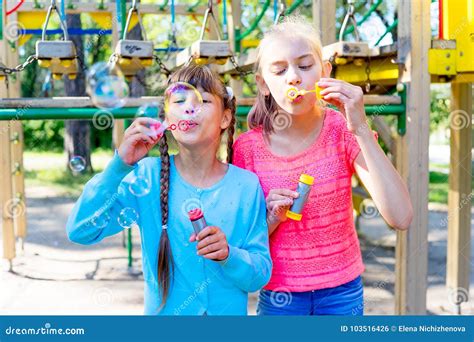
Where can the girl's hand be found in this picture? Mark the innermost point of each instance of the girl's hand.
(139, 138)
(348, 98)
(212, 243)
(278, 202)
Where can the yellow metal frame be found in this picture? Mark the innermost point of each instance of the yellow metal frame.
(442, 62)
(458, 24)
(382, 71)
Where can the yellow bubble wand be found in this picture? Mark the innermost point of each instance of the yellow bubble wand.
(294, 92)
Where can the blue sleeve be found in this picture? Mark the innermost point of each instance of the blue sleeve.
(96, 212)
(250, 266)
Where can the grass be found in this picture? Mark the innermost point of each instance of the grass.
(48, 169)
(439, 186)
(63, 182)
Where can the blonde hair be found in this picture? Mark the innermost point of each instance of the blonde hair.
(265, 109)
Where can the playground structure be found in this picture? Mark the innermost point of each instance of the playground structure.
(396, 80)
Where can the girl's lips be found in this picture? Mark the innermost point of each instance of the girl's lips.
(298, 99)
(192, 124)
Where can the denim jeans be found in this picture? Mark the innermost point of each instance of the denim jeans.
(346, 299)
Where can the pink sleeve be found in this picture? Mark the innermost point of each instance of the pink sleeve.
(238, 158)
(352, 147)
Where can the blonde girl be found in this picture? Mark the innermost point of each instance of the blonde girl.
(317, 261)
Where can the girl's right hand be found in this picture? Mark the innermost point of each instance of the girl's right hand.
(278, 202)
(138, 139)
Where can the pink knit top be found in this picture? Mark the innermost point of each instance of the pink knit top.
(322, 250)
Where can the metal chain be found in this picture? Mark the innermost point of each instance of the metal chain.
(237, 67)
(20, 67)
(367, 72)
(162, 66)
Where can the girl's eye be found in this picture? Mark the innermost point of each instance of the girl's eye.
(280, 72)
(306, 67)
(206, 101)
(178, 100)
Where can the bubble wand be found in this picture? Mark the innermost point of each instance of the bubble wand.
(294, 92)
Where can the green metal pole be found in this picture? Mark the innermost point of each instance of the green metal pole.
(163, 6)
(66, 113)
(123, 16)
(369, 109)
(389, 29)
(1, 19)
(238, 43)
(129, 247)
(294, 6)
(402, 118)
(193, 7)
(240, 37)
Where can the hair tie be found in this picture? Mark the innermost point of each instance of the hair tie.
(230, 92)
(164, 227)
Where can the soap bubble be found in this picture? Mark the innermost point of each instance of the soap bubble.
(149, 110)
(95, 73)
(139, 186)
(152, 110)
(110, 92)
(107, 91)
(182, 100)
(77, 164)
(100, 220)
(128, 217)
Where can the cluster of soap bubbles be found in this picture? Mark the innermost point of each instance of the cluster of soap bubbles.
(127, 218)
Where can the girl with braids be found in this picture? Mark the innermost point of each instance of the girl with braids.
(185, 274)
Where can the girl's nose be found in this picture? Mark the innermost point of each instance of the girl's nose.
(293, 77)
(189, 111)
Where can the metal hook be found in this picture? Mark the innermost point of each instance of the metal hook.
(349, 16)
(281, 13)
(61, 21)
(133, 9)
(209, 12)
